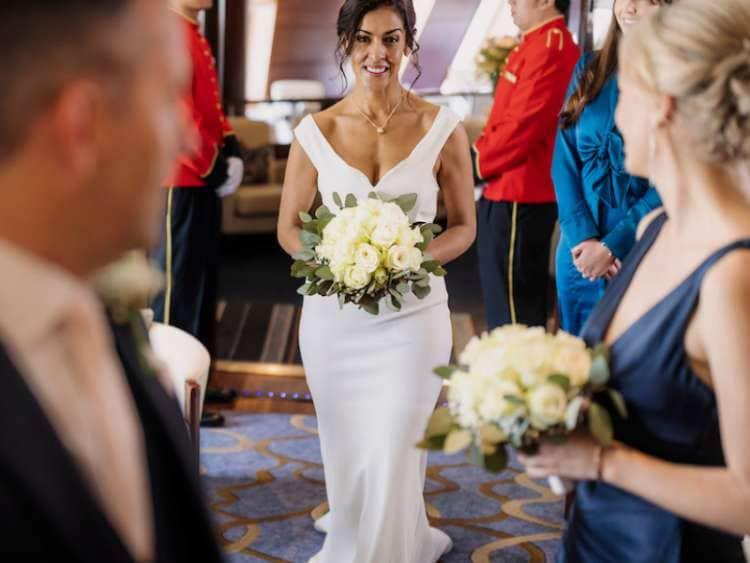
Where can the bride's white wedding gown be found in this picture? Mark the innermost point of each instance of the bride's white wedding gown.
(371, 379)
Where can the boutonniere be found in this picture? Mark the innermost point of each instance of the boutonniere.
(126, 287)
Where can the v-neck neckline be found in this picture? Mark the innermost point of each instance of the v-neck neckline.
(392, 168)
(664, 299)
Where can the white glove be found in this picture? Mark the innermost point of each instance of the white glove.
(235, 170)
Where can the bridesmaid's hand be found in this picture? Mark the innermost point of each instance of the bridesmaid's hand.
(592, 259)
(613, 269)
(579, 458)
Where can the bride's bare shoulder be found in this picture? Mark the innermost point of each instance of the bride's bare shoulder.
(426, 111)
(326, 119)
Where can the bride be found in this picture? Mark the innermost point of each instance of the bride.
(370, 376)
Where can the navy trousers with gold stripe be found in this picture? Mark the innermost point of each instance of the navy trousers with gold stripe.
(513, 246)
(189, 255)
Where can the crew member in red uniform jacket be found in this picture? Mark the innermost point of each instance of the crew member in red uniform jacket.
(190, 251)
(513, 159)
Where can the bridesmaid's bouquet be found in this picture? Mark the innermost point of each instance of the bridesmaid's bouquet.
(366, 253)
(518, 386)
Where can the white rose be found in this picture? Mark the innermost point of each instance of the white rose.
(367, 258)
(385, 234)
(356, 278)
(394, 214)
(571, 358)
(494, 405)
(415, 259)
(398, 258)
(409, 236)
(547, 404)
(490, 360)
(464, 395)
(338, 269)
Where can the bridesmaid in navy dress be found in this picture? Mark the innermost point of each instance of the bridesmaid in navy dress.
(675, 485)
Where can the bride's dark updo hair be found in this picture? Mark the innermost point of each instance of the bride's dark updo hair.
(350, 18)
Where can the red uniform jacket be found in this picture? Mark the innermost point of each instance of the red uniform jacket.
(514, 153)
(207, 165)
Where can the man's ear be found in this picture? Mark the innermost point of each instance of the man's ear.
(75, 127)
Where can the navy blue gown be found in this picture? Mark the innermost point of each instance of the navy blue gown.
(672, 415)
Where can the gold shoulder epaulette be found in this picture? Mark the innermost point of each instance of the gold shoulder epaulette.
(560, 38)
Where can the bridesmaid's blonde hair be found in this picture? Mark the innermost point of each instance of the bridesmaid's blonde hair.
(698, 52)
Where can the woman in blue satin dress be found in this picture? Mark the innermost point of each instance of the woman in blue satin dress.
(599, 203)
(674, 486)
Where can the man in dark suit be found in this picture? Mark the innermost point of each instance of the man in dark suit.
(95, 463)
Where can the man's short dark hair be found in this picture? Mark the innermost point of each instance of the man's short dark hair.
(562, 6)
(44, 43)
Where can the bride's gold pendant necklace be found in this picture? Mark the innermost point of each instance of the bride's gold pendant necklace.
(380, 128)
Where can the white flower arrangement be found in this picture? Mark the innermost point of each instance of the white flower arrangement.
(518, 386)
(366, 253)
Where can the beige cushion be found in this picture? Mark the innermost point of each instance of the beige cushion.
(257, 200)
(185, 357)
(251, 133)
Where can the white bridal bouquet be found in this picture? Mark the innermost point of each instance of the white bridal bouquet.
(518, 386)
(366, 253)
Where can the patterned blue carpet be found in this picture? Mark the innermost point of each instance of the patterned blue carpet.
(264, 482)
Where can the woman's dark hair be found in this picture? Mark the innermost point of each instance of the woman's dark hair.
(598, 70)
(350, 18)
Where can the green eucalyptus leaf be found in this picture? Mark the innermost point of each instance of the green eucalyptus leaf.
(337, 200)
(303, 289)
(599, 374)
(322, 212)
(311, 227)
(444, 372)
(370, 306)
(430, 265)
(406, 202)
(305, 254)
(600, 424)
(394, 306)
(514, 400)
(351, 200)
(299, 269)
(439, 271)
(420, 292)
(434, 443)
(305, 217)
(441, 422)
(309, 239)
(497, 461)
(324, 273)
(560, 380)
(619, 402)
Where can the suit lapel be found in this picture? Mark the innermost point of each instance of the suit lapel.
(33, 458)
